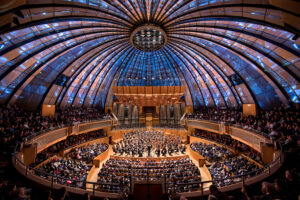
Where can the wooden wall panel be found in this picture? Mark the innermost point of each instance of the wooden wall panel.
(126, 90)
(148, 89)
(181, 89)
(115, 89)
(170, 89)
(29, 153)
(249, 109)
(164, 90)
(133, 90)
(48, 110)
(141, 90)
(149, 95)
(156, 90)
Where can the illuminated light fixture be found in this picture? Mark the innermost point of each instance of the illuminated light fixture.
(148, 38)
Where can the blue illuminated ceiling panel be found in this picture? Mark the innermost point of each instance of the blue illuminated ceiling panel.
(225, 52)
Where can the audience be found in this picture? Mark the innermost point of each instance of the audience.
(88, 152)
(284, 189)
(72, 115)
(117, 170)
(17, 124)
(216, 194)
(67, 143)
(9, 190)
(224, 163)
(72, 169)
(280, 123)
(231, 143)
(65, 171)
(211, 152)
(230, 168)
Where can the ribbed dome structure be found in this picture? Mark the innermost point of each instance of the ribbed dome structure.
(225, 53)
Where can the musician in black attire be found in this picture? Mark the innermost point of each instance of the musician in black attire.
(140, 142)
(157, 152)
(149, 149)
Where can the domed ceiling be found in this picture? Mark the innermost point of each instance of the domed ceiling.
(73, 52)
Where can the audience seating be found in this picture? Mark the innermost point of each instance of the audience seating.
(280, 123)
(117, 170)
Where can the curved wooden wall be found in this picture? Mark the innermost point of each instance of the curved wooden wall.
(47, 139)
(248, 137)
(99, 140)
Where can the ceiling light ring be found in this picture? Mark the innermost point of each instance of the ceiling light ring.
(153, 28)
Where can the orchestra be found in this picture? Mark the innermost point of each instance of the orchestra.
(149, 143)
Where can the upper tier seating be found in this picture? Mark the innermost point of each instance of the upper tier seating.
(212, 152)
(231, 143)
(16, 124)
(281, 123)
(69, 142)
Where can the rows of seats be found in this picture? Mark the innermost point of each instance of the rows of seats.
(281, 123)
(224, 172)
(88, 152)
(211, 152)
(225, 164)
(73, 168)
(66, 171)
(228, 141)
(121, 170)
(69, 142)
(16, 124)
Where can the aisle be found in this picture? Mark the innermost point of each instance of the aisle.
(205, 174)
(93, 174)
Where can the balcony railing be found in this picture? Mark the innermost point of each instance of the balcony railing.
(52, 180)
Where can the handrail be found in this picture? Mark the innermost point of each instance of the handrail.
(183, 116)
(29, 137)
(261, 170)
(234, 125)
(70, 147)
(268, 166)
(34, 171)
(33, 135)
(228, 147)
(116, 120)
(28, 169)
